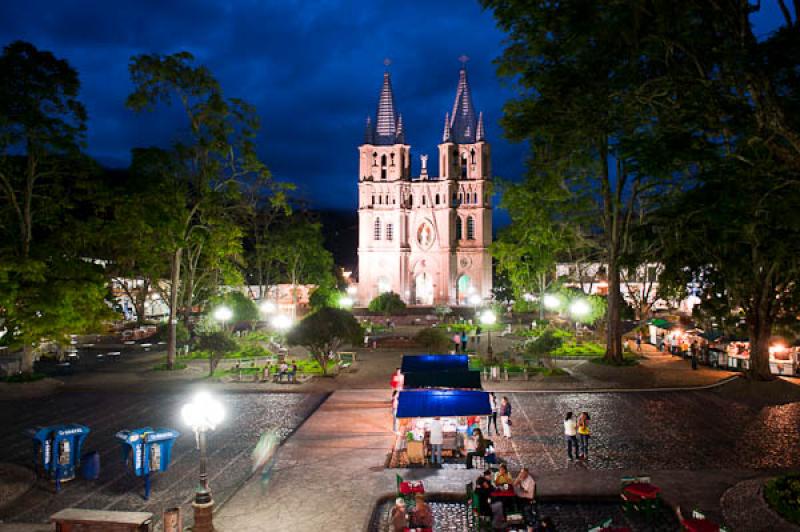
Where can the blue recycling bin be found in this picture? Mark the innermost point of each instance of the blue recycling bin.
(148, 450)
(90, 466)
(57, 451)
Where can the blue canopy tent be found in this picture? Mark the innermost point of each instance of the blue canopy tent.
(443, 403)
(412, 363)
(459, 378)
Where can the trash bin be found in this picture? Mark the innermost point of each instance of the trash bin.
(90, 465)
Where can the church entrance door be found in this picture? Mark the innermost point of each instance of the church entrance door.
(423, 289)
(463, 286)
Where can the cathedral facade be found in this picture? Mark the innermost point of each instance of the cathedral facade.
(425, 237)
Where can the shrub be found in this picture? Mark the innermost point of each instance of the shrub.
(434, 339)
(182, 335)
(163, 367)
(550, 340)
(388, 303)
(783, 496)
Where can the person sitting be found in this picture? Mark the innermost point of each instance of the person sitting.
(486, 475)
(502, 476)
(283, 369)
(484, 492)
(480, 447)
(398, 515)
(525, 491)
(422, 516)
(292, 373)
(489, 455)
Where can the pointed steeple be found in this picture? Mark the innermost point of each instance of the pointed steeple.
(386, 117)
(447, 135)
(369, 132)
(400, 137)
(462, 119)
(481, 133)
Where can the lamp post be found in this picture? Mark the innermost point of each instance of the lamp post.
(267, 307)
(281, 322)
(202, 414)
(578, 309)
(488, 318)
(345, 302)
(223, 314)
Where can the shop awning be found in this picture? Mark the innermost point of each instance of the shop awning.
(445, 403)
(661, 323)
(711, 335)
(412, 363)
(458, 378)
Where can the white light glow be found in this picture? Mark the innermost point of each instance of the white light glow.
(552, 301)
(268, 307)
(488, 318)
(352, 289)
(345, 302)
(223, 314)
(475, 300)
(281, 322)
(203, 413)
(579, 308)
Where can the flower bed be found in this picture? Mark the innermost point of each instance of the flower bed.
(783, 496)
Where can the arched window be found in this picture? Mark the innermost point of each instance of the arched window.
(463, 166)
(437, 199)
(380, 200)
(475, 198)
(470, 228)
(374, 158)
(472, 155)
(389, 232)
(377, 234)
(411, 200)
(387, 199)
(455, 199)
(383, 167)
(373, 199)
(392, 156)
(423, 199)
(458, 228)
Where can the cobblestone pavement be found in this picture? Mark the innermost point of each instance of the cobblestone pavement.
(247, 417)
(454, 517)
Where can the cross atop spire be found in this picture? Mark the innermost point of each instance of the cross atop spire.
(463, 122)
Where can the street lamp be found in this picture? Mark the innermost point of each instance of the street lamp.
(281, 322)
(223, 314)
(268, 307)
(204, 413)
(488, 318)
(579, 309)
(345, 302)
(551, 301)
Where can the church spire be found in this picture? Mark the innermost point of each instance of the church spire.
(462, 119)
(480, 135)
(400, 137)
(447, 135)
(386, 117)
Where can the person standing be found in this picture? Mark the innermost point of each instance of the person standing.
(583, 436)
(395, 402)
(478, 335)
(398, 515)
(570, 433)
(492, 418)
(639, 341)
(693, 353)
(464, 340)
(436, 441)
(505, 417)
(457, 341)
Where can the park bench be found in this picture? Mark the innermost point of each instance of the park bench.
(80, 520)
(348, 357)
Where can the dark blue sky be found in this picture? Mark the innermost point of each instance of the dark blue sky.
(312, 68)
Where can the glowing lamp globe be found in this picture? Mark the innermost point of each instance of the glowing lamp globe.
(345, 302)
(475, 300)
(551, 301)
(268, 307)
(579, 308)
(203, 413)
(281, 322)
(223, 314)
(488, 318)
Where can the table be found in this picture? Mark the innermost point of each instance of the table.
(502, 493)
(700, 525)
(640, 491)
(101, 520)
(407, 487)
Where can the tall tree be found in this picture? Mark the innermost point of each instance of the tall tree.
(579, 66)
(48, 289)
(209, 161)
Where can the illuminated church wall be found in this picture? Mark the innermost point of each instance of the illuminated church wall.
(425, 237)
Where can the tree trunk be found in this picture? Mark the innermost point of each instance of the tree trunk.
(28, 356)
(614, 352)
(139, 303)
(188, 296)
(760, 325)
(175, 277)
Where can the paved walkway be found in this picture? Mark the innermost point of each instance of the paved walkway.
(695, 445)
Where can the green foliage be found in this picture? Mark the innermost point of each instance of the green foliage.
(324, 296)
(388, 304)
(442, 311)
(325, 331)
(217, 344)
(23, 378)
(243, 308)
(783, 495)
(568, 349)
(182, 335)
(434, 339)
(550, 340)
(167, 367)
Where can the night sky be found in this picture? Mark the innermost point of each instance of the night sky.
(312, 69)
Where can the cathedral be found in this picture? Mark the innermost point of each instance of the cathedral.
(425, 237)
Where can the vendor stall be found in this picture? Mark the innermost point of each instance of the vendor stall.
(462, 379)
(738, 355)
(783, 359)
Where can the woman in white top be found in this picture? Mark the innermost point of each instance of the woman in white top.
(492, 418)
(571, 434)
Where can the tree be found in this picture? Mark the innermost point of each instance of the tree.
(589, 74)
(202, 171)
(388, 303)
(218, 344)
(242, 307)
(325, 331)
(48, 289)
